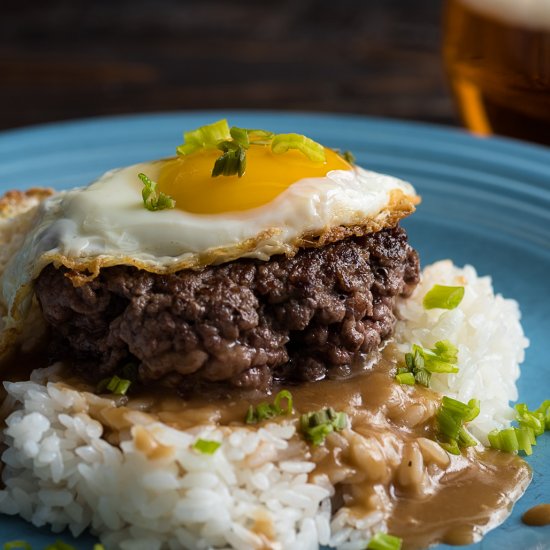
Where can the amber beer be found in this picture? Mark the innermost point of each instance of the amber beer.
(497, 55)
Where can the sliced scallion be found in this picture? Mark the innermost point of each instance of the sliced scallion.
(205, 137)
(407, 378)
(421, 362)
(231, 163)
(451, 417)
(115, 384)
(283, 395)
(383, 541)
(317, 425)
(234, 143)
(314, 151)
(265, 411)
(423, 377)
(443, 297)
(531, 424)
(206, 446)
(152, 199)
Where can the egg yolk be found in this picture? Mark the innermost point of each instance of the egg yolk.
(188, 180)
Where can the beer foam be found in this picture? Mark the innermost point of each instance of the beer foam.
(533, 14)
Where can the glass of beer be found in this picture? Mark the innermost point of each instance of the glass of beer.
(497, 56)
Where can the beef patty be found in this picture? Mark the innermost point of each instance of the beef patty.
(247, 322)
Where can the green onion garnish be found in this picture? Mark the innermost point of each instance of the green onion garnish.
(537, 420)
(406, 378)
(232, 162)
(205, 137)
(383, 541)
(348, 156)
(522, 438)
(206, 446)
(314, 151)
(421, 363)
(443, 297)
(265, 411)
(450, 418)
(234, 142)
(317, 425)
(116, 385)
(152, 199)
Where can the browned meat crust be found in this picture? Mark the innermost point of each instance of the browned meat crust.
(245, 322)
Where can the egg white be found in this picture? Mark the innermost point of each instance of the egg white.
(106, 224)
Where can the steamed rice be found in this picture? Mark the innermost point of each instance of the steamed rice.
(255, 489)
(487, 331)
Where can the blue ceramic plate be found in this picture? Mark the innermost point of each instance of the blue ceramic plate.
(485, 202)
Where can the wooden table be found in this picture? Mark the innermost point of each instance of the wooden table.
(63, 59)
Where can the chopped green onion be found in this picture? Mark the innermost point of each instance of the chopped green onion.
(449, 425)
(234, 142)
(348, 156)
(152, 200)
(474, 410)
(465, 438)
(421, 363)
(423, 377)
(544, 409)
(406, 378)
(206, 447)
(443, 297)
(509, 440)
(17, 545)
(240, 136)
(450, 418)
(205, 137)
(314, 151)
(383, 541)
(259, 137)
(231, 163)
(531, 424)
(282, 395)
(116, 385)
(450, 446)
(440, 358)
(317, 425)
(531, 419)
(524, 437)
(265, 411)
(455, 407)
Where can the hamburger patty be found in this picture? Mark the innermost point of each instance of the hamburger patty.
(247, 322)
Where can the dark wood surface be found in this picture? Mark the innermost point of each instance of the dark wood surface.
(62, 59)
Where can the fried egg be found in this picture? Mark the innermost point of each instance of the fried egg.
(281, 203)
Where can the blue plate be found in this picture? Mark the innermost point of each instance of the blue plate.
(485, 202)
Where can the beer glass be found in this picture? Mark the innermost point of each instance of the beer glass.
(497, 56)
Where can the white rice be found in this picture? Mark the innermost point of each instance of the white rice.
(486, 330)
(60, 471)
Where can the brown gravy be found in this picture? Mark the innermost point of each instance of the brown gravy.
(537, 516)
(430, 496)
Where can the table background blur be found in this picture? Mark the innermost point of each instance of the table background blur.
(62, 59)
